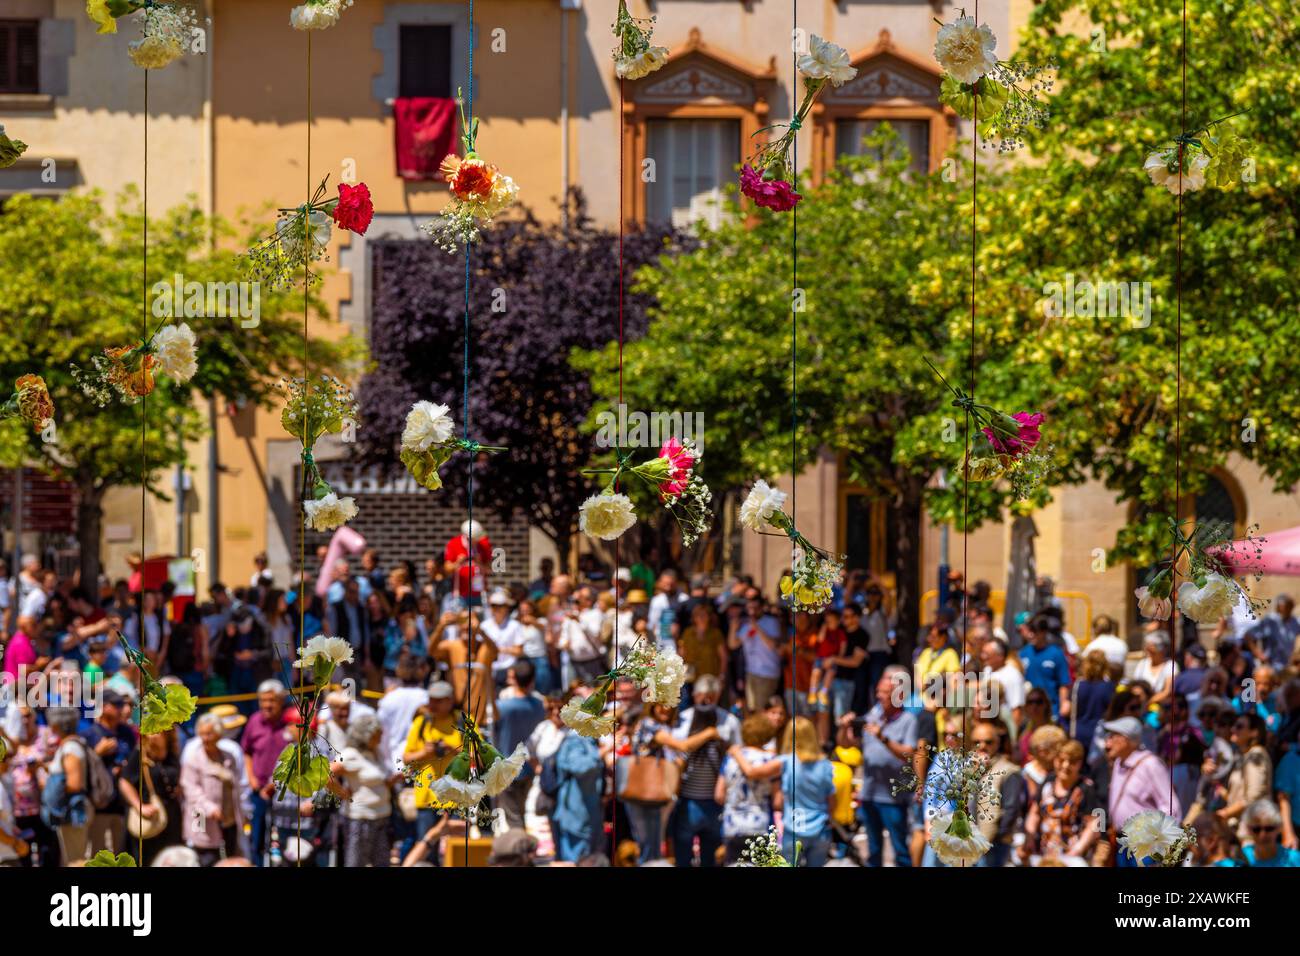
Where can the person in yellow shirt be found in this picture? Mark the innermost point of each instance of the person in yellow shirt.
(434, 740)
(937, 659)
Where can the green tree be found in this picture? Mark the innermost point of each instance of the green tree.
(1085, 206)
(73, 285)
(720, 342)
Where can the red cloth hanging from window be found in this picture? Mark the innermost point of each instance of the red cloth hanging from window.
(426, 132)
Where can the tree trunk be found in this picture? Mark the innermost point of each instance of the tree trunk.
(90, 516)
(907, 565)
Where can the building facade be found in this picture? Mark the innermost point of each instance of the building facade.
(229, 130)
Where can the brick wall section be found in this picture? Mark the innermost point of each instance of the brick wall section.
(417, 526)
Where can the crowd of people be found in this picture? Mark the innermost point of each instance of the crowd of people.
(792, 728)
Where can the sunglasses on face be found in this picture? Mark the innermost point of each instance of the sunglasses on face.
(986, 742)
(1035, 702)
(1262, 829)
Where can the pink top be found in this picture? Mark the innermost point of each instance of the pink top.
(20, 654)
(209, 792)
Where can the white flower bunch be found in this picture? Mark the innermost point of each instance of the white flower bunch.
(954, 841)
(427, 425)
(317, 14)
(826, 61)
(329, 511)
(331, 651)
(588, 716)
(762, 502)
(1156, 836)
(965, 49)
(606, 516)
(635, 56)
(1209, 602)
(165, 31)
(1163, 168)
(173, 350)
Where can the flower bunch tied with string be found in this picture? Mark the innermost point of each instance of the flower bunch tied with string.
(769, 177)
(479, 191)
(429, 440)
(162, 706)
(671, 474)
(303, 232)
(30, 402)
(167, 30)
(635, 56)
(301, 768)
(319, 405)
(956, 786)
(1206, 558)
(659, 673)
(765, 851)
(814, 573)
(317, 14)
(479, 771)
(1212, 154)
(1010, 444)
(1006, 99)
(10, 149)
(1158, 837)
(128, 372)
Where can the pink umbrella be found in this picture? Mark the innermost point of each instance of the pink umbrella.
(345, 541)
(1279, 554)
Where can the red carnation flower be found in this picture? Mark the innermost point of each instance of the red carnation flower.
(775, 194)
(354, 209)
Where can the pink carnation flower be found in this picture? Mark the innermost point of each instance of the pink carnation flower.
(1028, 437)
(774, 194)
(680, 462)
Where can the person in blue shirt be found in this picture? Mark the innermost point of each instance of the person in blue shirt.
(808, 786)
(1047, 667)
(1263, 823)
(1286, 785)
(519, 710)
(577, 821)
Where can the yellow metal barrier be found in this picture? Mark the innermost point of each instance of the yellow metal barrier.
(242, 698)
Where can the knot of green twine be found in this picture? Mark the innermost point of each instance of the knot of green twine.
(469, 445)
(795, 125)
(307, 459)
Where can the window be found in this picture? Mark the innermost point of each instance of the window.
(694, 160)
(19, 56)
(913, 134)
(1215, 503)
(425, 55)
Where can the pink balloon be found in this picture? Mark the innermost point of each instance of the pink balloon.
(345, 541)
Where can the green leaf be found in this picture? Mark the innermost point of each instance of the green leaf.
(303, 776)
(106, 858)
(161, 713)
(424, 466)
(991, 97)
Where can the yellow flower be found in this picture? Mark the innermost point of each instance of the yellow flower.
(97, 10)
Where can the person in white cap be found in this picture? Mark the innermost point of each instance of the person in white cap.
(469, 575)
(504, 631)
(1139, 780)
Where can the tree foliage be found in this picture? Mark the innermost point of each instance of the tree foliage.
(73, 285)
(537, 292)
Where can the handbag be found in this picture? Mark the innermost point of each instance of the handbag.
(406, 804)
(648, 779)
(146, 828)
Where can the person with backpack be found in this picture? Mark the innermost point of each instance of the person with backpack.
(76, 781)
(111, 740)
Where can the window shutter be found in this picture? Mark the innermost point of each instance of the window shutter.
(19, 56)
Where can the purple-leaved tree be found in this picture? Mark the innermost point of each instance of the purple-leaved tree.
(537, 292)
